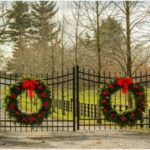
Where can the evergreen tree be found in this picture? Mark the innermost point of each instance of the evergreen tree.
(44, 32)
(17, 30)
(111, 39)
(111, 33)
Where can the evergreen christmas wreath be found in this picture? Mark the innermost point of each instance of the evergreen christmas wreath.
(32, 86)
(129, 117)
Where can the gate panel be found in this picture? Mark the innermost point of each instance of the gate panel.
(61, 117)
(90, 117)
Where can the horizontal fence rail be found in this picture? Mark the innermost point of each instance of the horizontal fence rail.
(90, 110)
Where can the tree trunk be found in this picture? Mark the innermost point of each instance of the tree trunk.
(98, 56)
(76, 35)
(128, 34)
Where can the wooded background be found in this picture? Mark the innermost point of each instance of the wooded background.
(47, 36)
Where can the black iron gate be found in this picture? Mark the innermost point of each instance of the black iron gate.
(89, 116)
(62, 116)
(75, 101)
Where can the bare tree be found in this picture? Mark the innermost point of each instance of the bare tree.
(76, 31)
(134, 16)
(92, 13)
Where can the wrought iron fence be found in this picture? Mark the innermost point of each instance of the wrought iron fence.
(75, 101)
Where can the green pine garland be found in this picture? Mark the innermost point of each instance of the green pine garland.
(129, 117)
(36, 118)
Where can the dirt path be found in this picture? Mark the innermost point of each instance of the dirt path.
(89, 140)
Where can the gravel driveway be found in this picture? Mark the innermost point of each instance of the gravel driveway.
(84, 139)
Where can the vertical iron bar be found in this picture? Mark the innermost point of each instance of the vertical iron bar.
(53, 99)
(104, 84)
(89, 97)
(77, 97)
(126, 107)
(15, 83)
(74, 98)
(120, 97)
(9, 86)
(109, 76)
(42, 75)
(36, 103)
(145, 91)
(94, 98)
(26, 104)
(146, 102)
(63, 101)
(57, 103)
(84, 109)
(141, 82)
(68, 104)
(48, 115)
(0, 101)
(149, 118)
(31, 102)
(115, 102)
(3, 99)
(141, 122)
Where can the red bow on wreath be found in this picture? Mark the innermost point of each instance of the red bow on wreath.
(30, 86)
(124, 83)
